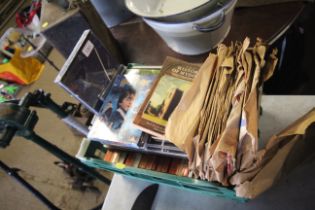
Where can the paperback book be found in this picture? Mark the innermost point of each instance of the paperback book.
(174, 79)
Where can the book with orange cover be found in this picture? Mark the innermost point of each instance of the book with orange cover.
(130, 158)
(108, 155)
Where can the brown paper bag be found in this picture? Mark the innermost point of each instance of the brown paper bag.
(216, 121)
(272, 159)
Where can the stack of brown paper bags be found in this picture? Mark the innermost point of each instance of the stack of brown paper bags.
(216, 122)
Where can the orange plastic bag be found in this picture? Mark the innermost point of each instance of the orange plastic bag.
(21, 70)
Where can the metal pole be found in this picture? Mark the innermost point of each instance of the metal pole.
(42, 54)
(35, 192)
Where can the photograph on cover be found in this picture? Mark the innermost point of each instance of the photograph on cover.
(117, 104)
(121, 106)
(165, 98)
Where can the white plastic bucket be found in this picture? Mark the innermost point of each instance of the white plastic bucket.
(199, 36)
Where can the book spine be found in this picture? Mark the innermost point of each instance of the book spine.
(122, 157)
(163, 165)
(130, 159)
(182, 170)
(137, 160)
(144, 161)
(174, 165)
(115, 157)
(108, 156)
(151, 163)
(99, 154)
(179, 168)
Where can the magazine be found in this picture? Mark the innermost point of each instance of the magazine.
(174, 79)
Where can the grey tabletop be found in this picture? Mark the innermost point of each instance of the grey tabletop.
(295, 191)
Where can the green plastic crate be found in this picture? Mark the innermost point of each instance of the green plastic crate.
(89, 149)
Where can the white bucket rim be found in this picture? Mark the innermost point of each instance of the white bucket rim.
(183, 26)
(154, 14)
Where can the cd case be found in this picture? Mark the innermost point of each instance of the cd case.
(113, 93)
(88, 72)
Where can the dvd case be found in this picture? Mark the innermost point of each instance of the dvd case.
(115, 124)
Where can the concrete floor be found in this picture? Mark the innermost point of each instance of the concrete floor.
(37, 165)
